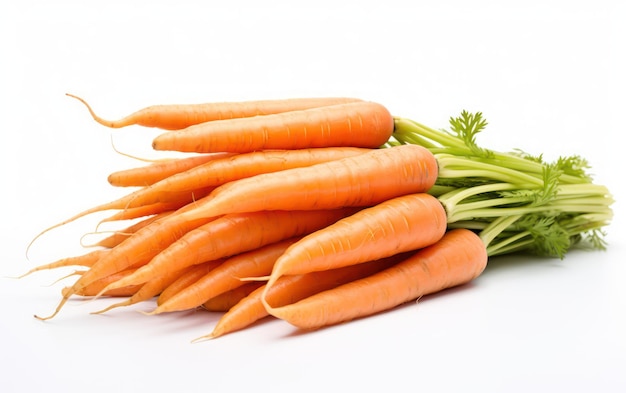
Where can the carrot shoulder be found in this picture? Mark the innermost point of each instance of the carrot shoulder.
(459, 257)
(357, 124)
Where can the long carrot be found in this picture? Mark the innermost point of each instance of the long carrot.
(290, 289)
(397, 225)
(222, 171)
(119, 236)
(257, 262)
(362, 180)
(230, 235)
(95, 288)
(226, 300)
(357, 124)
(459, 257)
(179, 116)
(150, 174)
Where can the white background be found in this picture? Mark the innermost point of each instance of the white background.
(548, 76)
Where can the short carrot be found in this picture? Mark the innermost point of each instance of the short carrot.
(227, 276)
(362, 180)
(226, 300)
(179, 116)
(356, 124)
(401, 224)
(150, 174)
(232, 234)
(290, 289)
(459, 257)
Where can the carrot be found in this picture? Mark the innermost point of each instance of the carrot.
(148, 290)
(257, 262)
(176, 117)
(230, 235)
(225, 301)
(362, 180)
(459, 257)
(187, 278)
(397, 225)
(357, 124)
(222, 171)
(150, 174)
(138, 249)
(290, 289)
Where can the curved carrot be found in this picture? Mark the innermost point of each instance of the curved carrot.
(225, 301)
(176, 117)
(362, 180)
(150, 174)
(230, 235)
(227, 276)
(290, 289)
(357, 124)
(397, 225)
(459, 257)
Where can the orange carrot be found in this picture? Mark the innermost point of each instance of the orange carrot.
(362, 180)
(222, 171)
(230, 235)
(459, 257)
(189, 277)
(357, 124)
(150, 174)
(397, 225)
(257, 262)
(290, 289)
(176, 117)
(225, 301)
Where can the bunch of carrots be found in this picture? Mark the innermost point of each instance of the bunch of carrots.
(319, 211)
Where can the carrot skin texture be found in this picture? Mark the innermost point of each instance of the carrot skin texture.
(401, 224)
(150, 174)
(362, 180)
(356, 124)
(225, 277)
(459, 257)
(180, 116)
